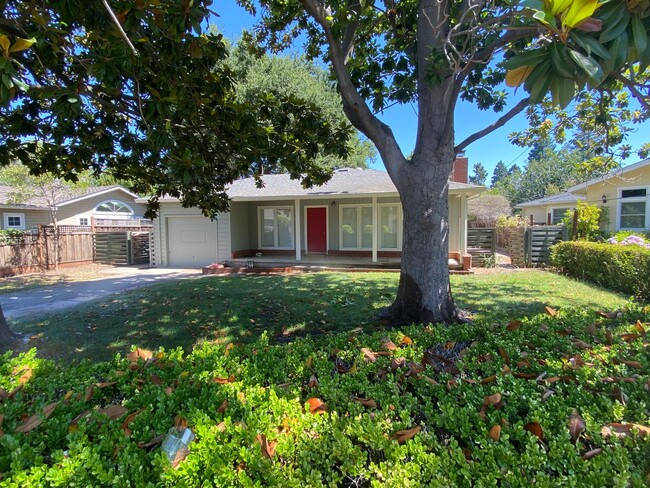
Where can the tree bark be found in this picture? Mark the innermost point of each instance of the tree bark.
(7, 336)
(424, 293)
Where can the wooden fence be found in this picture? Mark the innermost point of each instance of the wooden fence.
(531, 246)
(481, 243)
(34, 252)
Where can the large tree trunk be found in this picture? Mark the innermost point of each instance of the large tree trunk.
(424, 293)
(7, 336)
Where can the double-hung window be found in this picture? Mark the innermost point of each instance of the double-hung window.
(276, 228)
(390, 226)
(356, 226)
(633, 208)
(557, 214)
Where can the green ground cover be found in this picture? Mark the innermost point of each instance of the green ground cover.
(239, 308)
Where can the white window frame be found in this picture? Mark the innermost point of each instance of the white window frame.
(400, 226)
(622, 200)
(359, 208)
(260, 220)
(21, 216)
(114, 215)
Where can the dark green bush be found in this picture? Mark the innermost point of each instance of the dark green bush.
(619, 268)
(544, 368)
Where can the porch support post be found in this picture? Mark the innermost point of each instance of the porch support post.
(375, 230)
(297, 231)
(463, 225)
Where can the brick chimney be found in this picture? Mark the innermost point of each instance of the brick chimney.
(459, 170)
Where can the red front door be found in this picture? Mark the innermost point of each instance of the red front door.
(317, 229)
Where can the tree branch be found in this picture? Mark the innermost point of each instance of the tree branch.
(500, 122)
(119, 27)
(630, 85)
(354, 105)
(347, 44)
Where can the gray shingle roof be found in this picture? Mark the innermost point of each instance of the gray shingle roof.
(351, 181)
(40, 202)
(565, 197)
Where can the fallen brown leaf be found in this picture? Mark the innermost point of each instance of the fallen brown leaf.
(431, 380)
(26, 371)
(368, 355)
(639, 327)
(609, 338)
(492, 399)
(128, 420)
(226, 352)
(388, 344)
(407, 341)
(607, 315)
(535, 429)
(317, 406)
(366, 402)
(622, 430)
(630, 337)
(145, 354)
(488, 379)
(313, 381)
(397, 363)
(401, 436)
(153, 442)
(223, 381)
(309, 362)
(504, 355)
(547, 394)
(576, 426)
(35, 420)
(633, 364)
(514, 325)
(593, 453)
(268, 447)
(550, 311)
(222, 408)
(113, 412)
(495, 432)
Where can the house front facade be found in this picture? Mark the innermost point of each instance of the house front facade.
(109, 203)
(357, 214)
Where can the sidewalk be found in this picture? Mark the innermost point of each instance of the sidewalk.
(52, 298)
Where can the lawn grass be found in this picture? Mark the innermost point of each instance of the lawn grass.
(240, 308)
(13, 284)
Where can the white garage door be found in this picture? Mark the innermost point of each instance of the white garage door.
(192, 241)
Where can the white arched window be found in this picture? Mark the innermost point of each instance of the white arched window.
(113, 209)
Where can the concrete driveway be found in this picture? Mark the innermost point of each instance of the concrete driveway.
(52, 298)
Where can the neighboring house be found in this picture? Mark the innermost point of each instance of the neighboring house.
(357, 214)
(624, 194)
(77, 208)
(548, 210)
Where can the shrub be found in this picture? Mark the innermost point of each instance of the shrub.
(627, 238)
(588, 220)
(620, 268)
(498, 415)
(12, 236)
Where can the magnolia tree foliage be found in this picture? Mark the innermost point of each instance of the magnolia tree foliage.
(138, 88)
(435, 52)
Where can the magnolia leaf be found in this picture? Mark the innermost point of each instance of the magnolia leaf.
(388, 344)
(22, 44)
(632, 364)
(593, 453)
(222, 408)
(495, 432)
(113, 412)
(397, 363)
(138, 353)
(106, 384)
(492, 399)
(623, 430)
(517, 76)
(547, 394)
(366, 402)
(313, 382)
(607, 315)
(317, 406)
(128, 420)
(89, 393)
(4, 44)
(630, 337)
(588, 65)
(591, 24)
(401, 436)
(407, 341)
(639, 327)
(35, 420)
(504, 355)
(223, 381)
(153, 442)
(576, 426)
(368, 355)
(581, 344)
(488, 379)
(579, 11)
(268, 447)
(514, 325)
(26, 371)
(609, 337)
(535, 429)
(550, 311)
(559, 6)
(431, 381)
(228, 348)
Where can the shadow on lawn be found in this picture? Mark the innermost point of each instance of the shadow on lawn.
(241, 308)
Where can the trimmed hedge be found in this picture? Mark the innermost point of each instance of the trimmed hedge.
(620, 268)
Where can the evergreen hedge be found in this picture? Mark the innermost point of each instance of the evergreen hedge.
(620, 268)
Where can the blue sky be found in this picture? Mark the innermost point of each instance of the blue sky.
(403, 118)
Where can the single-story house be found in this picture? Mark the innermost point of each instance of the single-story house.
(78, 207)
(624, 194)
(548, 210)
(356, 216)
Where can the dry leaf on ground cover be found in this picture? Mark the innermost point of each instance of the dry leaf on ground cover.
(268, 446)
(401, 436)
(37, 419)
(576, 426)
(317, 406)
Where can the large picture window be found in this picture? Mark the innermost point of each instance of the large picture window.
(557, 215)
(356, 226)
(633, 208)
(390, 227)
(276, 228)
